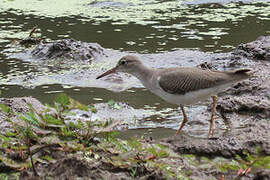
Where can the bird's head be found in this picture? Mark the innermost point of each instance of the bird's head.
(127, 64)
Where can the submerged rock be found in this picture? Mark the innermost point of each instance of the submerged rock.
(68, 49)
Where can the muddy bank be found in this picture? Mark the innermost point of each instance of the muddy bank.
(77, 167)
(17, 106)
(140, 159)
(125, 116)
(258, 49)
(245, 107)
(234, 142)
(98, 159)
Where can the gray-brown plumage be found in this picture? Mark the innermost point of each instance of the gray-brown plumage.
(183, 80)
(181, 86)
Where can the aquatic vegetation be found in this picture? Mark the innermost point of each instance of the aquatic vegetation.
(114, 104)
(181, 15)
(40, 136)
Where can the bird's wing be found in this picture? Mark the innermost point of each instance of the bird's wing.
(183, 80)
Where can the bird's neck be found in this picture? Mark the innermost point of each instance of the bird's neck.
(143, 73)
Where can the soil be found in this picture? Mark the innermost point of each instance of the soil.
(17, 105)
(257, 50)
(247, 102)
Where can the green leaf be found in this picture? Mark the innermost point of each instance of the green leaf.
(10, 163)
(248, 156)
(6, 139)
(161, 146)
(117, 106)
(63, 99)
(5, 108)
(47, 157)
(152, 150)
(80, 124)
(82, 107)
(31, 119)
(163, 153)
(135, 144)
(189, 156)
(111, 102)
(92, 108)
(28, 133)
(262, 162)
(11, 134)
(19, 148)
(48, 106)
(66, 132)
(225, 167)
(73, 125)
(51, 120)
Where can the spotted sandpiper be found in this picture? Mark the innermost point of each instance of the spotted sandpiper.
(181, 85)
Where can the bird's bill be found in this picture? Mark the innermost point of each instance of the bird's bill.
(113, 70)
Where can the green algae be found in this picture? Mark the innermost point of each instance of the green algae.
(140, 12)
(194, 22)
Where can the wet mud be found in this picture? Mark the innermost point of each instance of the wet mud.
(245, 107)
(18, 106)
(258, 49)
(234, 142)
(67, 49)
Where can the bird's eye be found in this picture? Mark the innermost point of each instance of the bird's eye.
(123, 62)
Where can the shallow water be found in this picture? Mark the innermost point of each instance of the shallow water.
(146, 27)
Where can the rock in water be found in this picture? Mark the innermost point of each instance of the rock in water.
(68, 49)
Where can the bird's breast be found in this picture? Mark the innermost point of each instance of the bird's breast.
(189, 97)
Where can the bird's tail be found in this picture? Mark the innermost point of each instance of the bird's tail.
(243, 73)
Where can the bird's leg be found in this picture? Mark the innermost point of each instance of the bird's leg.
(184, 120)
(212, 121)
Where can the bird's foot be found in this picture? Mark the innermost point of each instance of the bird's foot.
(212, 138)
(211, 134)
(177, 134)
